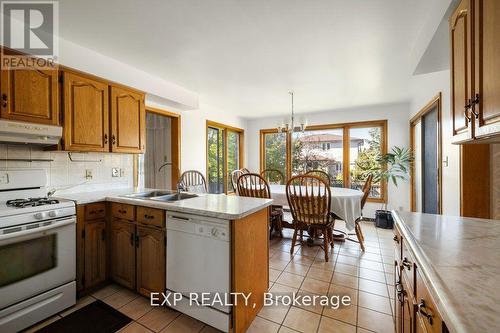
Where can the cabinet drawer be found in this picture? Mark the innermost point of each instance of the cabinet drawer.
(95, 211)
(123, 211)
(427, 314)
(151, 216)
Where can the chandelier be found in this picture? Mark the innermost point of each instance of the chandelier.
(290, 126)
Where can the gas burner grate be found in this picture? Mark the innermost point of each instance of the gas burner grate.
(31, 202)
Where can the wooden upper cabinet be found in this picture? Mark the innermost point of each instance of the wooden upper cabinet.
(30, 96)
(487, 67)
(461, 71)
(86, 113)
(128, 120)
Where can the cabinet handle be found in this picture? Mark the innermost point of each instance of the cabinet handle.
(132, 239)
(149, 217)
(396, 239)
(121, 211)
(4, 99)
(105, 139)
(400, 292)
(113, 139)
(406, 263)
(421, 309)
(473, 103)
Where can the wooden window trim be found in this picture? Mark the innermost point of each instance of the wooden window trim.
(241, 154)
(345, 159)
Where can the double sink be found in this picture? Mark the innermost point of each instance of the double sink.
(165, 196)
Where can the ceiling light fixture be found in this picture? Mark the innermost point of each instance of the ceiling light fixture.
(289, 126)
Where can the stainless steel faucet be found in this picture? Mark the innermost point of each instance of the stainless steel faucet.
(181, 186)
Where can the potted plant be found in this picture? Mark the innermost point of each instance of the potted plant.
(393, 166)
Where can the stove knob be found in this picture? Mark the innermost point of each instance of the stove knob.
(53, 213)
(215, 232)
(39, 216)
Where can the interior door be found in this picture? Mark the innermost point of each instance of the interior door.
(86, 113)
(128, 121)
(30, 95)
(461, 72)
(487, 67)
(430, 162)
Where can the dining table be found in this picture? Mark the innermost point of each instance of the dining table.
(345, 202)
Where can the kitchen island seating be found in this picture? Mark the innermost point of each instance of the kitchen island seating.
(193, 181)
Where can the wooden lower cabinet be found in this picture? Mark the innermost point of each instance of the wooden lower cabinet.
(122, 253)
(95, 253)
(151, 257)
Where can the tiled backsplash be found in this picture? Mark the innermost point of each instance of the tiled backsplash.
(68, 176)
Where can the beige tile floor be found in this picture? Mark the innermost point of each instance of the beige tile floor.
(366, 277)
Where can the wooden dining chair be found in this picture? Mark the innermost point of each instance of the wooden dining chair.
(234, 179)
(193, 181)
(255, 186)
(357, 227)
(309, 198)
(321, 174)
(245, 170)
(273, 176)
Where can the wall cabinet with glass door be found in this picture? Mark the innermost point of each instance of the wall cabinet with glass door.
(475, 64)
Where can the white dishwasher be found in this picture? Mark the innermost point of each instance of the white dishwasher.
(199, 261)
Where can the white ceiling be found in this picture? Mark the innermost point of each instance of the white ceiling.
(243, 56)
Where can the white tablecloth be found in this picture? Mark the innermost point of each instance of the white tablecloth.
(345, 202)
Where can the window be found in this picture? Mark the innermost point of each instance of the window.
(347, 152)
(224, 155)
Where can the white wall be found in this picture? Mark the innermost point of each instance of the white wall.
(423, 89)
(398, 134)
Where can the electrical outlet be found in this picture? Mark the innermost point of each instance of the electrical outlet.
(115, 172)
(122, 172)
(4, 178)
(88, 174)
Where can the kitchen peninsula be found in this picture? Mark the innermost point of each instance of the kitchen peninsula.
(447, 272)
(201, 243)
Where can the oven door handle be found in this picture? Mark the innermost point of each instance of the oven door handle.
(56, 224)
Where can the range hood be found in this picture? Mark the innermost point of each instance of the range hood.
(29, 133)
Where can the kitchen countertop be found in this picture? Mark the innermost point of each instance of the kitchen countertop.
(228, 207)
(460, 259)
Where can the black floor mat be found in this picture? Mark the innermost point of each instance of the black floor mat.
(97, 317)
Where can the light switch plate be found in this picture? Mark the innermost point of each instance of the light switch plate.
(115, 172)
(4, 178)
(88, 174)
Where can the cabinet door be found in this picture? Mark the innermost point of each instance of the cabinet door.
(487, 67)
(150, 260)
(408, 309)
(86, 113)
(461, 71)
(128, 121)
(123, 253)
(30, 95)
(95, 253)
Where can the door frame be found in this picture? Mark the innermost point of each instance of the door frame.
(175, 137)
(436, 102)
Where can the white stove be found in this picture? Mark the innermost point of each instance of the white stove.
(37, 251)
